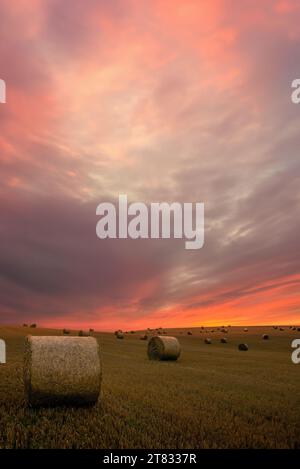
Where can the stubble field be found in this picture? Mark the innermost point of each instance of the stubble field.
(214, 396)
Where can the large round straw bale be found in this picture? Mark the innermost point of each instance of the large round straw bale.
(223, 340)
(163, 348)
(66, 331)
(61, 370)
(265, 337)
(243, 347)
(245, 330)
(207, 340)
(119, 335)
(144, 337)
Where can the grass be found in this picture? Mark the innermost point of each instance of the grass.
(213, 397)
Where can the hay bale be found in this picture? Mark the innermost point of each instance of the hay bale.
(245, 330)
(275, 327)
(189, 333)
(243, 347)
(265, 337)
(33, 326)
(91, 330)
(83, 334)
(281, 329)
(119, 335)
(144, 337)
(207, 340)
(163, 348)
(66, 332)
(61, 371)
(298, 329)
(223, 340)
(25, 325)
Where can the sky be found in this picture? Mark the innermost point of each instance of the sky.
(167, 100)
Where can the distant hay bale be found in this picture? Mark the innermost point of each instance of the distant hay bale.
(281, 329)
(265, 337)
(207, 340)
(243, 347)
(224, 330)
(189, 333)
(83, 334)
(33, 326)
(245, 329)
(61, 371)
(25, 325)
(144, 337)
(275, 327)
(66, 331)
(163, 348)
(119, 335)
(223, 340)
(298, 329)
(91, 330)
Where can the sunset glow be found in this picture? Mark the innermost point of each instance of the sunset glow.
(161, 100)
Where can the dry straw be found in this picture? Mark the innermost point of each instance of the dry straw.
(243, 347)
(61, 370)
(163, 348)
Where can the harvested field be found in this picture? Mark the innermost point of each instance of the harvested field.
(212, 397)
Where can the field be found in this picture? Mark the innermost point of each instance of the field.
(214, 397)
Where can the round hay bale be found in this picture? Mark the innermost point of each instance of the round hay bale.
(25, 325)
(83, 334)
(243, 347)
(66, 332)
(33, 326)
(163, 348)
(245, 330)
(207, 340)
(281, 329)
(223, 340)
(189, 333)
(61, 371)
(144, 337)
(265, 337)
(119, 335)
(298, 329)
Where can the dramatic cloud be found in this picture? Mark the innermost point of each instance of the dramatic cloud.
(163, 101)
